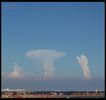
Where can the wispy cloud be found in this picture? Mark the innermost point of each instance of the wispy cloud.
(83, 61)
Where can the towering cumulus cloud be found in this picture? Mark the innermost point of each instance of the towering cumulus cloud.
(83, 61)
(46, 58)
(17, 72)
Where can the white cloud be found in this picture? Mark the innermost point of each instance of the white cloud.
(44, 54)
(83, 61)
(16, 73)
(46, 57)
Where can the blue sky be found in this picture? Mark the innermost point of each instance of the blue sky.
(72, 28)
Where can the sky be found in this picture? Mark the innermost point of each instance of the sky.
(59, 32)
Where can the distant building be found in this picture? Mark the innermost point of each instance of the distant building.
(13, 90)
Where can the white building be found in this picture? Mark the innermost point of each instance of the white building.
(13, 90)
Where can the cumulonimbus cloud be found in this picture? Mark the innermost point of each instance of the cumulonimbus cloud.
(83, 61)
(46, 58)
